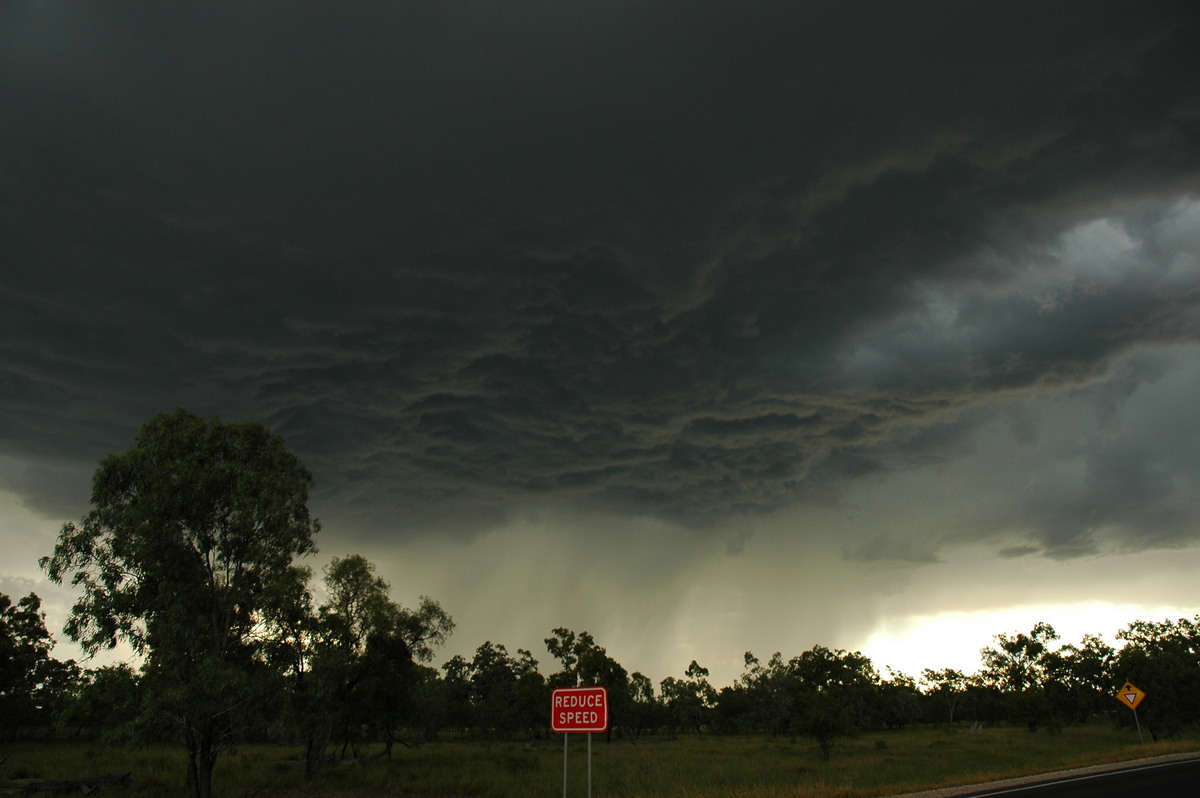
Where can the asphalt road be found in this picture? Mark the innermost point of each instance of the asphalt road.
(1165, 777)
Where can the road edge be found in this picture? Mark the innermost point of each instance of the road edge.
(965, 789)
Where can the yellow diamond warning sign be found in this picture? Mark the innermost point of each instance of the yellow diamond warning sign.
(1130, 696)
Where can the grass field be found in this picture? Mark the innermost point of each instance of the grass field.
(884, 763)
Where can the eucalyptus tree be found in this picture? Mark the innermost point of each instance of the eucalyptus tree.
(1162, 658)
(586, 663)
(395, 690)
(191, 537)
(1018, 665)
(103, 700)
(1079, 681)
(946, 687)
(358, 654)
(24, 661)
(645, 709)
(835, 694)
(496, 682)
(690, 698)
(764, 694)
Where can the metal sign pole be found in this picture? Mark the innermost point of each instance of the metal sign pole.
(1131, 696)
(578, 710)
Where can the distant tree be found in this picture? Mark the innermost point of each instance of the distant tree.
(586, 663)
(824, 694)
(835, 695)
(424, 629)
(356, 664)
(457, 694)
(398, 673)
(331, 645)
(598, 668)
(688, 700)
(104, 700)
(826, 720)
(506, 692)
(25, 662)
(191, 534)
(1089, 667)
(766, 698)
(947, 687)
(982, 701)
(645, 709)
(428, 709)
(899, 701)
(1078, 680)
(533, 695)
(1162, 658)
(494, 689)
(59, 683)
(1017, 665)
(568, 647)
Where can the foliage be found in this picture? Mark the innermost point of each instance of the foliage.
(947, 686)
(1079, 680)
(688, 700)
(192, 535)
(586, 663)
(899, 701)
(108, 698)
(1017, 662)
(1042, 687)
(1163, 659)
(823, 693)
(643, 711)
(507, 693)
(25, 663)
(353, 663)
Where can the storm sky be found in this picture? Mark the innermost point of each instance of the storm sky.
(704, 327)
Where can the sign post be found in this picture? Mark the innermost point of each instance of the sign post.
(578, 710)
(1131, 696)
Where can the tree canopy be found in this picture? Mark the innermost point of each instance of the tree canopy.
(24, 659)
(192, 532)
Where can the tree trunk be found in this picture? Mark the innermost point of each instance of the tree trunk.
(193, 778)
(208, 760)
(314, 753)
(205, 773)
(201, 759)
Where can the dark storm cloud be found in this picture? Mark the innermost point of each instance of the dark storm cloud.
(659, 259)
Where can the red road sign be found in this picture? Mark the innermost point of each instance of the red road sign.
(579, 709)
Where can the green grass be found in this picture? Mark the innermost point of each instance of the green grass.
(885, 763)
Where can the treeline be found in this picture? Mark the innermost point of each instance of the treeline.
(360, 686)
(191, 554)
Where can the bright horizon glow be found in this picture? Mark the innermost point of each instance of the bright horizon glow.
(954, 639)
(904, 643)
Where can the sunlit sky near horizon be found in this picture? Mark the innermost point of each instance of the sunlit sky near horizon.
(707, 328)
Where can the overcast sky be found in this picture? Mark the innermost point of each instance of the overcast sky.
(704, 327)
